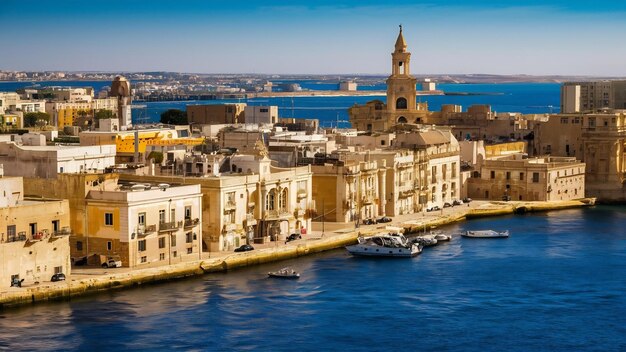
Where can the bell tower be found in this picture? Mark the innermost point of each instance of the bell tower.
(401, 91)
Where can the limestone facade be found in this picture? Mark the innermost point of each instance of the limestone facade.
(34, 235)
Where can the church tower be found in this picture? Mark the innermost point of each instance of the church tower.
(401, 91)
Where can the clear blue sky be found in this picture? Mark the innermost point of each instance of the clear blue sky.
(445, 36)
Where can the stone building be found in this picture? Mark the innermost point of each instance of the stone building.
(250, 201)
(143, 223)
(516, 177)
(599, 140)
(215, 114)
(34, 235)
(593, 96)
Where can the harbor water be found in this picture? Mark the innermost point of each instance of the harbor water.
(526, 98)
(557, 284)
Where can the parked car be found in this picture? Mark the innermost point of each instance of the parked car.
(58, 277)
(434, 208)
(457, 202)
(447, 205)
(384, 219)
(244, 248)
(369, 222)
(112, 262)
(467, 200)
(293, 237)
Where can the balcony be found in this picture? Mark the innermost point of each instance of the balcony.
(170, 226)
(230, 227)
(64, 231)
(367, 200)
(302, 193)
(230, 206)
(20, 237)
(191, 222)
(145, 230)
(277, 214)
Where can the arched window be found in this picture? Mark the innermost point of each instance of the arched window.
(401, 103)
(402, 119)
(270, 200)
(283, 199)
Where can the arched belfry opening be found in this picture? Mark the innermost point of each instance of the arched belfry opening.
(401, 104)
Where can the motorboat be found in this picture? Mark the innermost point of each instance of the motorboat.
(284, 273)
(425, 240)
(486, 234)
(385, 245)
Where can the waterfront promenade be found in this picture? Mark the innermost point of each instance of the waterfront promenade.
(85, 280)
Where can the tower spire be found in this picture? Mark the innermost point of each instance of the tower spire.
(400, 43)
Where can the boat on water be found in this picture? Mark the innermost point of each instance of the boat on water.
(284, 273)
(486, 234)
(385, 245)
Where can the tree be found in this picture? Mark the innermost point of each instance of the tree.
(104, 114)
(174, 117)
(157, 156)
(33, 119)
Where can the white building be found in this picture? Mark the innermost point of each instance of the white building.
(261, 114)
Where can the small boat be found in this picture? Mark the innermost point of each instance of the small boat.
(284, 273)
(385, 245)
(425, 240)
(486, 234)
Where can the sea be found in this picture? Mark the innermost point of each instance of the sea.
(332, 111)
(556, 284)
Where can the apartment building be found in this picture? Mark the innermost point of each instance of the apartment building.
(34, 235)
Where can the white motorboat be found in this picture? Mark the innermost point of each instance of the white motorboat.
(385, 245)
(486, 234)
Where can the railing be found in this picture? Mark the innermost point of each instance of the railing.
(65, 231)
(170, 226)
(274, 214)
(191, 222)
(145, 230)
(20, 237)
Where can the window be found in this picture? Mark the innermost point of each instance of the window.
(173, 241)
(508, 175)
(144, 259)
(58, 269)
(108, 219)
(188, 237)
(33, 228)
(172, 215)
(263, 110)
(161, 242)
(161, 256)
(161, 216)
(564, 120)
(188, 213)
(535, 177)
(269, 200)
(141, 219)
(109, 245)
(79, 245)
(174, 254)
(521, 176)
(453, 171)
(55, 226)
(141, 245)
(189, 250)
(433, 175)
(492, 174)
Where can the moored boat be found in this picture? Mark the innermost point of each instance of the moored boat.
(486, 234)
(284, 273)
(385, 245)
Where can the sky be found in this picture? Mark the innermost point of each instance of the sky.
(560, 37)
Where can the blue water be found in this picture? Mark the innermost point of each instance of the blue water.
(527, 98)
(557, 284)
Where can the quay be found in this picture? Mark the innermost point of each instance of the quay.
(84, 281)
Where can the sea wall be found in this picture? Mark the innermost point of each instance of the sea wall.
(111, 281)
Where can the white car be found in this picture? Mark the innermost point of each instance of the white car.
(112, 263)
